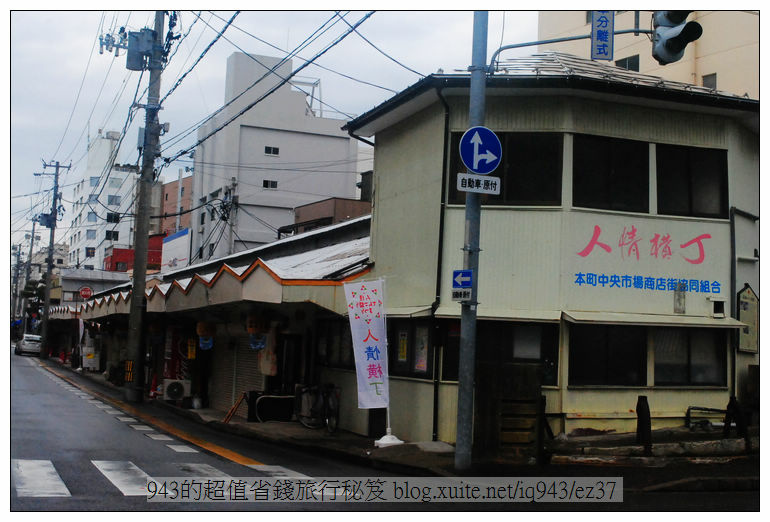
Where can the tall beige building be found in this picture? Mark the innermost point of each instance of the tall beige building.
(725, 57)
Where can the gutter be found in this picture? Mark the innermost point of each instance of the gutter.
(439, 255)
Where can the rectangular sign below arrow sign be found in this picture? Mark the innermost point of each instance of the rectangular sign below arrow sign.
(480, 184)
(462, 281)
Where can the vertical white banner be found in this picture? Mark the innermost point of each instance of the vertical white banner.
(366, 311)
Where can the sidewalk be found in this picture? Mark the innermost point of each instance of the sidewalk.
(684, 462)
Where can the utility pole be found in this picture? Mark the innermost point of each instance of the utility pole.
(51, 222)
(136, 349)
(467, 370)
(26, 277)
(15, 296)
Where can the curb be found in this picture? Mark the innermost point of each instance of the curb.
(648, 462)
(707, 484)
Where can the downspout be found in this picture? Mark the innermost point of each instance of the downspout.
(733, 307)
(439, 258)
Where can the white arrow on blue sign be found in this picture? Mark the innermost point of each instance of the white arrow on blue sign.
(480, 150)
(462, 279)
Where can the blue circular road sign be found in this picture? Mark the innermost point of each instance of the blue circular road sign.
(480, 150)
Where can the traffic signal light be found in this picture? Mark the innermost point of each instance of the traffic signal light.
(672, 34)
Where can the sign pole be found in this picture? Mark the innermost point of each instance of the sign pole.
(471, 249)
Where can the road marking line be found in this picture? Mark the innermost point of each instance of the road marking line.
(124, 475)
(126, 419)
(111, 411)
(37, 478)
(201, 470)
(158, 436)
(277, 471)
(141, 427)
(201, 443)
(182, 448)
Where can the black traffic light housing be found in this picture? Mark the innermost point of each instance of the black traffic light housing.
(671, 35)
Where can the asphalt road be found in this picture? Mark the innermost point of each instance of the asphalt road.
(73, 449)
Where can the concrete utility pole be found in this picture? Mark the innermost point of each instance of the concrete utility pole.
(26, 277)
(15, 296)
(467, 370)
(52, 218)
(136, 349)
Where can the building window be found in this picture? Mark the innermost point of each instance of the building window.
(166, 196)
(181, 209)
(269, 183)
(121, 266)
(113, 200)
(211, 249)
(607, 355)
(88, 267)
(90, 234)
(690, 356)
(111, 235)
(115, 182)
(334, 344)
(631, 63)
(181, 193)
(60, 261)
(92, 217)
(610, 173)
(90, 251)
(710, 81)
(530, 171)
(203, 218)
(94, 181)
(692, 181)
(410, 351)
(271, 151)
(506, 342)
(93, 198)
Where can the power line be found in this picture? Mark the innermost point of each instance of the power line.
(315, 64)
(386, 55)
(197, 61)
(313, 36)
(271, 91)
(80, 89)
(292, 84)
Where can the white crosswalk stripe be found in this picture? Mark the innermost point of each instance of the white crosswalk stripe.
(124, 475)
(277, 471)
(37, 478)
(182, 448)
(199, 469)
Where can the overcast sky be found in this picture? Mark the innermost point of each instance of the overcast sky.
(63, 90)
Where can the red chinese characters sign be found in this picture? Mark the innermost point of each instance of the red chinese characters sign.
(632, 244)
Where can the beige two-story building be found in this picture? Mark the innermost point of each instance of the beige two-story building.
(626, 225)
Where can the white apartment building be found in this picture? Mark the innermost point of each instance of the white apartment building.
(275, 157)
(103, 204)
(724, 58)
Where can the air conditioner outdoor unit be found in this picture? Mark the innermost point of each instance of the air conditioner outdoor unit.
(175, 389)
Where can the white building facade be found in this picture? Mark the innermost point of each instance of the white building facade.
(273, 158)
(103, 204)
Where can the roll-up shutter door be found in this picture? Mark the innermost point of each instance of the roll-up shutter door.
(248, 377)
(221, 383)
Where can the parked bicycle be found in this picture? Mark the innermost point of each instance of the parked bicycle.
(317, 406)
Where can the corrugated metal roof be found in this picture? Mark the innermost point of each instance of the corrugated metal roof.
(321, 263)
(552, 63)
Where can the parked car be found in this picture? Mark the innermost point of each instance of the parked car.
(28, 344)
